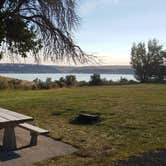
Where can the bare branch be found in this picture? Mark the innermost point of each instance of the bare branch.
(52, 22)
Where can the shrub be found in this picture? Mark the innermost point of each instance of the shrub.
(95, 80)
(123, 80)
(3, 84)
(70, 80)
(83, 83)
(61, 82)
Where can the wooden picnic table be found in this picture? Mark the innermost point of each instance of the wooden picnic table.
(9, 120)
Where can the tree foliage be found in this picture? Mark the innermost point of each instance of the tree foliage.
(147, 61)
(28, 26)
(95, 80)
(70, 80)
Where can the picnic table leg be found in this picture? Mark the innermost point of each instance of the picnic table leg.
(33, 141)
(9, 138)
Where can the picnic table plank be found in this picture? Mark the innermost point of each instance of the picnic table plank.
(8, 121)
(15, 114)
(8, 117)
(33, 128)
(2, 120)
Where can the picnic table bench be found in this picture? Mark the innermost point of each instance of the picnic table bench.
(35, 131)
(9, 120)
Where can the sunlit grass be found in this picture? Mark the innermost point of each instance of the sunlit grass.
(133, 120)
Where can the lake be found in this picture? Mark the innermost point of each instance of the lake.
(56, 76)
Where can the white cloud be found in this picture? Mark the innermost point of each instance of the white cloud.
(89, 6)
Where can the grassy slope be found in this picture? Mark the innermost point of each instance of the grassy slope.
(134, 120)
(12, 83)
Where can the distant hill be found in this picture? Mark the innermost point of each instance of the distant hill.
(29, 68)
(99, 69)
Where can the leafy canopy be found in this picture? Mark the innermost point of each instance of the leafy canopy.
(147, 61)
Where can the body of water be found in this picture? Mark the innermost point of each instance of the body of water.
(56, 76)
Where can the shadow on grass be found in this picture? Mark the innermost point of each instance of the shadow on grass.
(157, 158)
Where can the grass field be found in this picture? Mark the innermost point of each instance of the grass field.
(133, 120)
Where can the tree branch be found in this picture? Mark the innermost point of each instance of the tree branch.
(2, 3)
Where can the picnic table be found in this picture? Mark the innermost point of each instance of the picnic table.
(8, 121)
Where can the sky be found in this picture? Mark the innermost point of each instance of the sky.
(109, 27)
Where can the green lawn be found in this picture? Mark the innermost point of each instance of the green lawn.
(133, 120)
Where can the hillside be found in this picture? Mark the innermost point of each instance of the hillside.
(29, 68)
(11, 83)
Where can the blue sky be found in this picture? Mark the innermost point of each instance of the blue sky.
(109, 27)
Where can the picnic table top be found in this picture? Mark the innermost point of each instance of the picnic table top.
(9, 117)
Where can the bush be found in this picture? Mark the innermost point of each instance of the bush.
(123, 80)
(40, 84)
(4, 84)
(95, 80)
(61, 82)
(70, 80)
(15, 84)
(83, 83)
(105, 82)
